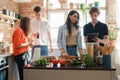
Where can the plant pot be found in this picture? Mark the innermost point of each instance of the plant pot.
(71, 5)
(90, 5)
(63, 6)
(112, 42)
(77, 5)
(96, 5)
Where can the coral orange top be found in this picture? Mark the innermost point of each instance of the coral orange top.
(18, 38)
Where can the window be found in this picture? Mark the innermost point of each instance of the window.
(57, 15)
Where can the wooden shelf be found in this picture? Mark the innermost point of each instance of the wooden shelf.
(60, 9)
(8, 17)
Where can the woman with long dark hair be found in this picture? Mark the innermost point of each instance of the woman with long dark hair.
(20, 44)
(69, 36)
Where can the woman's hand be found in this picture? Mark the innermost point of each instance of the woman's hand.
(30, 39)
(81, 52)
(36, 35)
(30, 44)
(51, 50)
(65, 54)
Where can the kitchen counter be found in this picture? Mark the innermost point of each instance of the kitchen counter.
(67, 66)
(5, 55)
(68, 72)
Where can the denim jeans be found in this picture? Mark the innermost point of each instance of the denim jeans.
(43, 50)
(72, 51)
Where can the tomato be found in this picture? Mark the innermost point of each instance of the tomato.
(62, 61)
(55, 61)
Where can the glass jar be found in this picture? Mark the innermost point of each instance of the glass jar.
(92, 49)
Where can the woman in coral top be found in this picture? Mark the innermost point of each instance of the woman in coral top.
(20, 44)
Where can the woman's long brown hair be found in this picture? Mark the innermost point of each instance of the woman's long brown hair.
(25, 25)
(68, 21)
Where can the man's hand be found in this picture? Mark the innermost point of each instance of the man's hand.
(96, 39)
(86, 39)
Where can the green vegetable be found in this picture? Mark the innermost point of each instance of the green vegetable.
(75, 62)
(88, 60)
(41, 61)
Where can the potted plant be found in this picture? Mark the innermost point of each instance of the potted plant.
(82, 7)
(71, 5)
(20, 16)
(50, 5)
(96, 3)
(63, 3)
(77, 5)
(113, 35)
(90, 5)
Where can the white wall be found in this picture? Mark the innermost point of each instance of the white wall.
(114, 64)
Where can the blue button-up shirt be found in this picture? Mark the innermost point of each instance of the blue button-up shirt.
(61, 40)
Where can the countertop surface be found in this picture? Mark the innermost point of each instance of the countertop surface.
(67, 66)
(5, 55)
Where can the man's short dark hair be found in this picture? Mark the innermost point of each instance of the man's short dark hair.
(37, 9)
(94, 9)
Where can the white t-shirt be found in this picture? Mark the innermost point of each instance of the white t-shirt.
(42, 27)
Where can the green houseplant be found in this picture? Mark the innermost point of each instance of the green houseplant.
(82, 6)
(50, 5)
(20, 16)
(96, 3)
(113, 35)
(90, 5)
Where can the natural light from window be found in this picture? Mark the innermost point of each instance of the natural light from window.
(57, 16)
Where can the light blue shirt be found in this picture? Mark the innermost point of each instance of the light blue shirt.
(61, 40)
